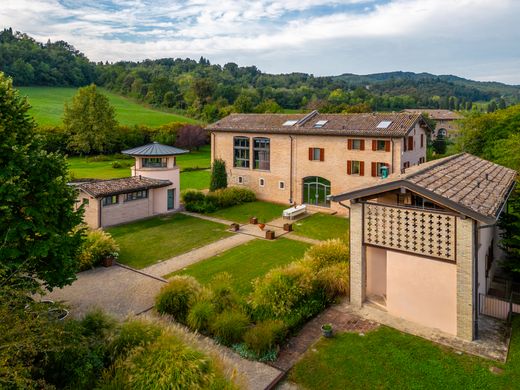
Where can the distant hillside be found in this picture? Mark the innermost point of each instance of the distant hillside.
(47, 108)
(208, 92)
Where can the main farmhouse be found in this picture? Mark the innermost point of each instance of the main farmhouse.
(304, 158)
(446, 121)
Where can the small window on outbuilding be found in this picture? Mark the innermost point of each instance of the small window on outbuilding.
(261, 182)
(281, 185)
(110, 200)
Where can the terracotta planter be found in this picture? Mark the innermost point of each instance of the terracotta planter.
(261, 226)
(287, 227)
(108, 261)
(234, 227)
(269, 234)
(253, 220)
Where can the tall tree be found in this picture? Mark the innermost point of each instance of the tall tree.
(90, 120)
(191, 137)
(37, 217)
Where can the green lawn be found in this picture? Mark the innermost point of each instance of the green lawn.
(196, 159)
(145, 242)
(47, 108)
(264, 211)
(247, 262)
(389, 359)
(322, 227)
(196, 180)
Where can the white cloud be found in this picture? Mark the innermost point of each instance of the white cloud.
(316, 36)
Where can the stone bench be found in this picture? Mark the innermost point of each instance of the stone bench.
(294, 211)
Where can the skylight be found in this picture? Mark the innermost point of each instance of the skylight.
(320, 123)
(289, 123)
(384, 124)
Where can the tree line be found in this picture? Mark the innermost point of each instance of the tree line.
(209, 91)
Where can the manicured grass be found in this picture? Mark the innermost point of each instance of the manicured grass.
(264, 211)
(47, 108)
(145, 242)
(196, 180)
(84, 167)
(247, 262)
(322, 227)
(195, 159)
(389, 359)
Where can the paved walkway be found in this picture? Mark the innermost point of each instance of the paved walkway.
(339, 316)
(208, 218)
(179, 262)
(117, 290)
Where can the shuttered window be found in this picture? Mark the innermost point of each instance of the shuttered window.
(376, 168)
(316, 154)
(410, 143)
(380, 145)
(356, 144)
(356, 167)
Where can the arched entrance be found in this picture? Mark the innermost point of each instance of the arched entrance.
(316, 190)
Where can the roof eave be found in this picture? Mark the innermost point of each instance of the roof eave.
(466, 211)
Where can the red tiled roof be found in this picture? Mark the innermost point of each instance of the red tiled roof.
(125, 185)
(469, 184)
(445, 115)
(335, 124)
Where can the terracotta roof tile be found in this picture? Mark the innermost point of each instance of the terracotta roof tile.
(465, 180)
(125, 185)
(436, 114)
(335, 124)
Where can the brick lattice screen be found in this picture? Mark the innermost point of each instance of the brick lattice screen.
(426, 233)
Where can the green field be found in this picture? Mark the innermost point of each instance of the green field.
(47, 108)
(322, 227)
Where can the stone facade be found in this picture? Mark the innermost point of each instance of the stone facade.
(466, 304)
(290, 162)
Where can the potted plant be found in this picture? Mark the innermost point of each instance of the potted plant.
(253, 220)
(326, 329)
(269, 234)
(109, 259)
(234, 227)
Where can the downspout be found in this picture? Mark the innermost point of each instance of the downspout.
(475, 282)
(393, 162)
(99, 213)
(291, 173)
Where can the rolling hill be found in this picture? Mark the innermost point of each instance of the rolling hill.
(47, 107)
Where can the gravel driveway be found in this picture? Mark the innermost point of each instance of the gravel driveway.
(117, 290)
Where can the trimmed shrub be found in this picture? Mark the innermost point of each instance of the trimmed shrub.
(97, 245)
(326, 253)
(201, 316)
(97, 323)
(116, 165)
(281, 290)
(265, 336)
(334, 280)
(229, 326)
(218, 175)
(167, 363)
(196, 201)
(133, 334)
(178, 296)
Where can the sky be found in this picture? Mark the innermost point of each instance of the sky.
(476, 39)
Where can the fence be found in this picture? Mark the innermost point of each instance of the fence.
(498, 307)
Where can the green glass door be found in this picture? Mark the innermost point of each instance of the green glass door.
(315, 191)
(171, 199)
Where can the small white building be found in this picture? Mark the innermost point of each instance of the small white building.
(152, 189)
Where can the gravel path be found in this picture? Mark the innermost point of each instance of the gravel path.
(117, 290)
(179, 262)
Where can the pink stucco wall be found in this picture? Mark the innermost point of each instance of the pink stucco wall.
(422, 290)
(376, 271)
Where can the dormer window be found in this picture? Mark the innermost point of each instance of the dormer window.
(155, 162)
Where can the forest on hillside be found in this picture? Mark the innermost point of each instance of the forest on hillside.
(208, 91)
